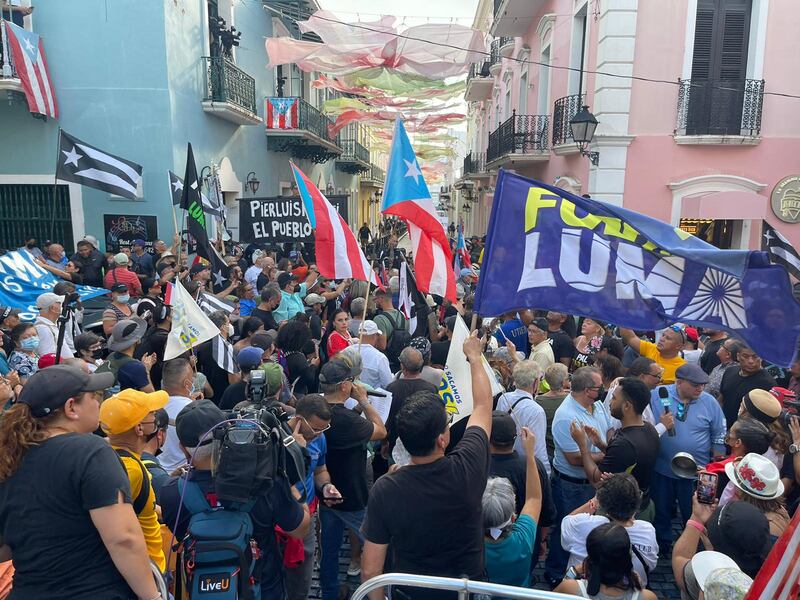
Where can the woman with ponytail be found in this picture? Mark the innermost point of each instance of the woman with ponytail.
(607, 573)
(66, 519)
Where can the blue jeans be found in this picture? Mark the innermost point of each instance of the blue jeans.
(664, 491)
(334, 523)
(567, 496)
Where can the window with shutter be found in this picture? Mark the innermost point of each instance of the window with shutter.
(719, 65)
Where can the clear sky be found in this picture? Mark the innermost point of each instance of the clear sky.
(440, 11)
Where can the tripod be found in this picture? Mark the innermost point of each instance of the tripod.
(67, 312)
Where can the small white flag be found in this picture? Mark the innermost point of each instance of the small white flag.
(190, 325)
(222, 353)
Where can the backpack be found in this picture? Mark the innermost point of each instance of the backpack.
(113, 364)
(219, 553)
(144, 493)
(398, 340)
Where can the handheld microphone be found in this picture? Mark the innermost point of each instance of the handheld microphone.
(663, 394)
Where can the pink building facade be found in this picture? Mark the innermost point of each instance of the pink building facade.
(691, 129)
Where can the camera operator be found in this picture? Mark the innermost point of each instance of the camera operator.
(277, 506)
(50, 306)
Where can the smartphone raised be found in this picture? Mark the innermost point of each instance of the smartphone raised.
(707, 487)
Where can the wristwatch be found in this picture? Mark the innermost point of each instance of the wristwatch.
(794, 448)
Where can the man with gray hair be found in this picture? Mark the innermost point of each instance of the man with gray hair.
(375, 369)
(525, 411)
(410, 382)
(356, 315)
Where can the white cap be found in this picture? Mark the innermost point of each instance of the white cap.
(369, 328)
(704, 563)
(91, 239)
(121, 258)
(313, 299)
(48, 299)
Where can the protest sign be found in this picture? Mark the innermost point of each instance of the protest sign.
(121, 230)
(280, 219)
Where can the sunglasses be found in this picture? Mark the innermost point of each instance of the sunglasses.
(316, 431)
(679, 329)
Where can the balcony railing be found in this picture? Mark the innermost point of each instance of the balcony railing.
(520, 134)
(7, 68)
(563, 110)
(225, 82)
(494, 52)
(720, 107)
(353, 150)
(478, 70)
(474, 163)
(377, 174)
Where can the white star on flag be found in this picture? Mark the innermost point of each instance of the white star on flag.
(413, 169)
(219, 279)
(769, 237)
(29, 46)
(194, 185)
(72, 157)
(177, 184)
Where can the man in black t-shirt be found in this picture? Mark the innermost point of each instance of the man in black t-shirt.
(270, 299)
(90, 263)
(440, 350)
(443, 534)
(411, 364)
(347, 440)
(737, 383)
(506, 462)
(562, 344)
(633, 449)
(709, 358)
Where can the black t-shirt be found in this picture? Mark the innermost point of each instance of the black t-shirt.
(216, 375)
(276, 507)
(91, 267)
(562, 345)
(709, 358)
(514, 468)
(262, 281)
(347, 456)
(401, 389)
(303, 372)
(44, 518)
(443, 535)
(734, 387)
(155, 340)
(636, 447)
(439, 351)
(266, 318)
(234, 394)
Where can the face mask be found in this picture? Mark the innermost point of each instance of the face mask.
(230, 330)
(124, 298)
(97, 354)
(31, 343)
(31, 244)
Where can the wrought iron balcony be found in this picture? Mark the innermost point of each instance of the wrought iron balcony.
(230, 92)
(9, 80)
(563, 110)
(478, 70)
(720, 108)
(494, 56)
(479, 82)
(307, 137)
(474, 164)
(506, 46)
(354, 158)
(521, 138)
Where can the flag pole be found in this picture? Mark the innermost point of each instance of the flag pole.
(55, 187)
(366, 301)
(174, 214)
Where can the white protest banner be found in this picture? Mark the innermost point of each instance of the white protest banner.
(456, 386)
(190, 325)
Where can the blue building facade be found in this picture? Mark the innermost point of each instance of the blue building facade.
(140, 79)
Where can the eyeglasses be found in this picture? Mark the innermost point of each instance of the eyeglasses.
(657, 377)
(315, 431)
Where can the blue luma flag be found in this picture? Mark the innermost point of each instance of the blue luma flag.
(549, 249)
(22, 281)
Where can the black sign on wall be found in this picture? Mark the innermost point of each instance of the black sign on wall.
(121, 230)
(281, 219)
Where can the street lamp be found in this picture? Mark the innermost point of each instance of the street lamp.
(252, 181)
(582, 126)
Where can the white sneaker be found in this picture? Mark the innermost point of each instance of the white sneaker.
(354, 569)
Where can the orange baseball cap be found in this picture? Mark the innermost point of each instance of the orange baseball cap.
(124, 411)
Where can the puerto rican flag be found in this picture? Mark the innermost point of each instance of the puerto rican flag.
(406, 196)
(282, 113)
(30, 63)
(779, 576)
(338, 254)
(462, 256)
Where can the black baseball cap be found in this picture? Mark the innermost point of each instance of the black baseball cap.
(285, 278)
(741, 531)
(504, 430)
(540, 323)
(119, 287)
(47, 390)
(198, 268)
(7, 311)
(195, 420)
(334, 372)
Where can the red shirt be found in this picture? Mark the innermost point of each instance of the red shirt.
(336, 343)
(123, 275)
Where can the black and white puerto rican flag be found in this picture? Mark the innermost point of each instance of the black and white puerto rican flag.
(87, 165)
(222, 353)
(780, 251)
(176, 189)
(209, 304)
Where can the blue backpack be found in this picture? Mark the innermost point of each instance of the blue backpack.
(219, 553)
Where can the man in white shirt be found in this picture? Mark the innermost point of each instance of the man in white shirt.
(541, 350)
(375, 366)
(176, 379)
(49, 306)
(525, 411)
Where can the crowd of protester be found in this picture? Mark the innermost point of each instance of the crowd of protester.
(572, 464)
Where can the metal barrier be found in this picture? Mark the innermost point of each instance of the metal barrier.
(464, 587)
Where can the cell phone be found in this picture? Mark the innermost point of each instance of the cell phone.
(707, 487)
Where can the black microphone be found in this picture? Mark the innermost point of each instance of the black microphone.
(663, 394)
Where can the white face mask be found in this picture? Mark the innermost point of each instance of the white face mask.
(230, 330)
